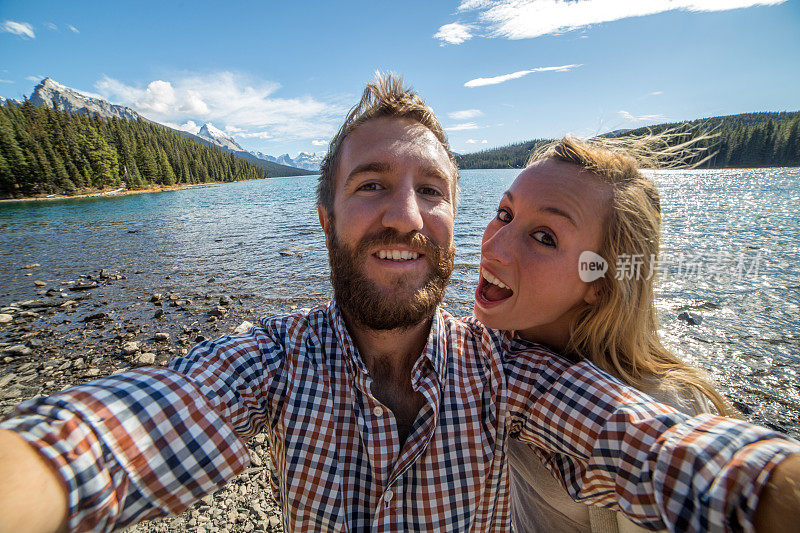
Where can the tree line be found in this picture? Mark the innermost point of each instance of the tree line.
(47, 151)
(737, 141)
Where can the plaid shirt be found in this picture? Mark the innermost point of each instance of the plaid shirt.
(151, 441)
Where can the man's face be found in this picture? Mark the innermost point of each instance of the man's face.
(390, 236)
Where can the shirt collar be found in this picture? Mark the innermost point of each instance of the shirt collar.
(435, 349)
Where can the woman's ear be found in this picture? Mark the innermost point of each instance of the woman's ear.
(590, 296)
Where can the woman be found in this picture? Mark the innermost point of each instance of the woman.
(574, 197)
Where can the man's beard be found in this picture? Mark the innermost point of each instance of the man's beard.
(380, 308)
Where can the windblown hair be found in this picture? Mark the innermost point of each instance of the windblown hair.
(384, 97)
(619, 332)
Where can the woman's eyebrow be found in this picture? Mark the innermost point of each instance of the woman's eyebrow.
(548, 209)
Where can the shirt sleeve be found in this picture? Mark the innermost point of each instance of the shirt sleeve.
(612, 445)
(151, 441)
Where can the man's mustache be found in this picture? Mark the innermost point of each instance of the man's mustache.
(414, 240)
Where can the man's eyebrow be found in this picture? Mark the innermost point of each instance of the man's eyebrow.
(378, 167)
(548, 209)
(435, 172)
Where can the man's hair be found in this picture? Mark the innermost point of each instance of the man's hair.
(619, 332)
(384, 97)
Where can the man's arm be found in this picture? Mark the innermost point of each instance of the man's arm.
(778, 508)
(151, 441)
(612, 445)
(32, 496)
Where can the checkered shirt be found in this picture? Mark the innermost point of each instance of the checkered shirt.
(151, 441)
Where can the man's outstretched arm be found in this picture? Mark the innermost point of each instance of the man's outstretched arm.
(32, 496)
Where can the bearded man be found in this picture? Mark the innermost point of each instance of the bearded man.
(382, 411)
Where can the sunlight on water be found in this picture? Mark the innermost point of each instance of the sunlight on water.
(263, 238)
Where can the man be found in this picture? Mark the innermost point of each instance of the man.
(382, 411)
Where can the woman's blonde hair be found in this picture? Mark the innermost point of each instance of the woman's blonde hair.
(619, 332)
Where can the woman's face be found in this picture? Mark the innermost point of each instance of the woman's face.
(529, 278)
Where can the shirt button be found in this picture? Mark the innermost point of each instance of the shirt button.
(377, 411)
(388, 495)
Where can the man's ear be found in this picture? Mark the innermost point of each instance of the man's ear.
(324, 221)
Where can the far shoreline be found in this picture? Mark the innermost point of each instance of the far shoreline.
(111, 193)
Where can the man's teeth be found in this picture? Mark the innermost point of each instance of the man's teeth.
(397, 255)
(493, 280)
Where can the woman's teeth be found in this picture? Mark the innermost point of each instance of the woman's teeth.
(397, 255)
(493, 280)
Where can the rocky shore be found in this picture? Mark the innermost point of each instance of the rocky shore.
(67, 332)
(73, 331)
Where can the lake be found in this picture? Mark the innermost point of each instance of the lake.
(731, 247)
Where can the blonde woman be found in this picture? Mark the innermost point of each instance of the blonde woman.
(577, 196)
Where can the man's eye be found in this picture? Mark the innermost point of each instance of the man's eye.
(545, 238)
(372, 186)
(429, 191)
(504, 215)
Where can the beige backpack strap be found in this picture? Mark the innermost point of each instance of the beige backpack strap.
(602, 520)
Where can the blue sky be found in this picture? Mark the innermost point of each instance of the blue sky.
(280, 77)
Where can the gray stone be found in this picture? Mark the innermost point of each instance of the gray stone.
(217, 311)
(5, 319)
(161, 337)
(690, 318)
(18, 350)
(147, 358)
(224, 300)
(130, 348)
(32, 265)
(40, 283)
(159, 313)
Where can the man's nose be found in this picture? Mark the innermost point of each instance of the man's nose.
(403, 212)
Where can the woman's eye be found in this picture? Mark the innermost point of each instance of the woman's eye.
(504, 215)
(544, 238)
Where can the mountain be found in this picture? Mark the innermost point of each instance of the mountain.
(218, 137)
(303, 160)
(52, 94)
(765, 139)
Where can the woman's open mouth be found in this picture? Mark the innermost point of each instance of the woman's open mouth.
(491, 290)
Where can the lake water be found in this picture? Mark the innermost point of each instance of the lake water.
(731, 244)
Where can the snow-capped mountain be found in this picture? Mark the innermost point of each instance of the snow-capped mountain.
(218, 137)
(50, 93)
(302, 160)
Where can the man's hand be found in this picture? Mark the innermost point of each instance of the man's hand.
(33, 497)
(779, 506)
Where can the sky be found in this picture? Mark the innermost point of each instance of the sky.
(280, 77)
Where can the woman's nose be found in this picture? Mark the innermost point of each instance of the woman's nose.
(496, 245)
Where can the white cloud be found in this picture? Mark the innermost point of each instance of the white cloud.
(316, 142)
(453, 33)
(256, 135)
(640, 118)
(72, 28)
(465, 114)
(481, 82)
(476, 141)
(23, 29)
(464, 126)
(230, 99)
(656, 93)
(526, 19)
(50, 26)
(35, 79)
(6, 81)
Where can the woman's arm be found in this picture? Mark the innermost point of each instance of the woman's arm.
(779, 505)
